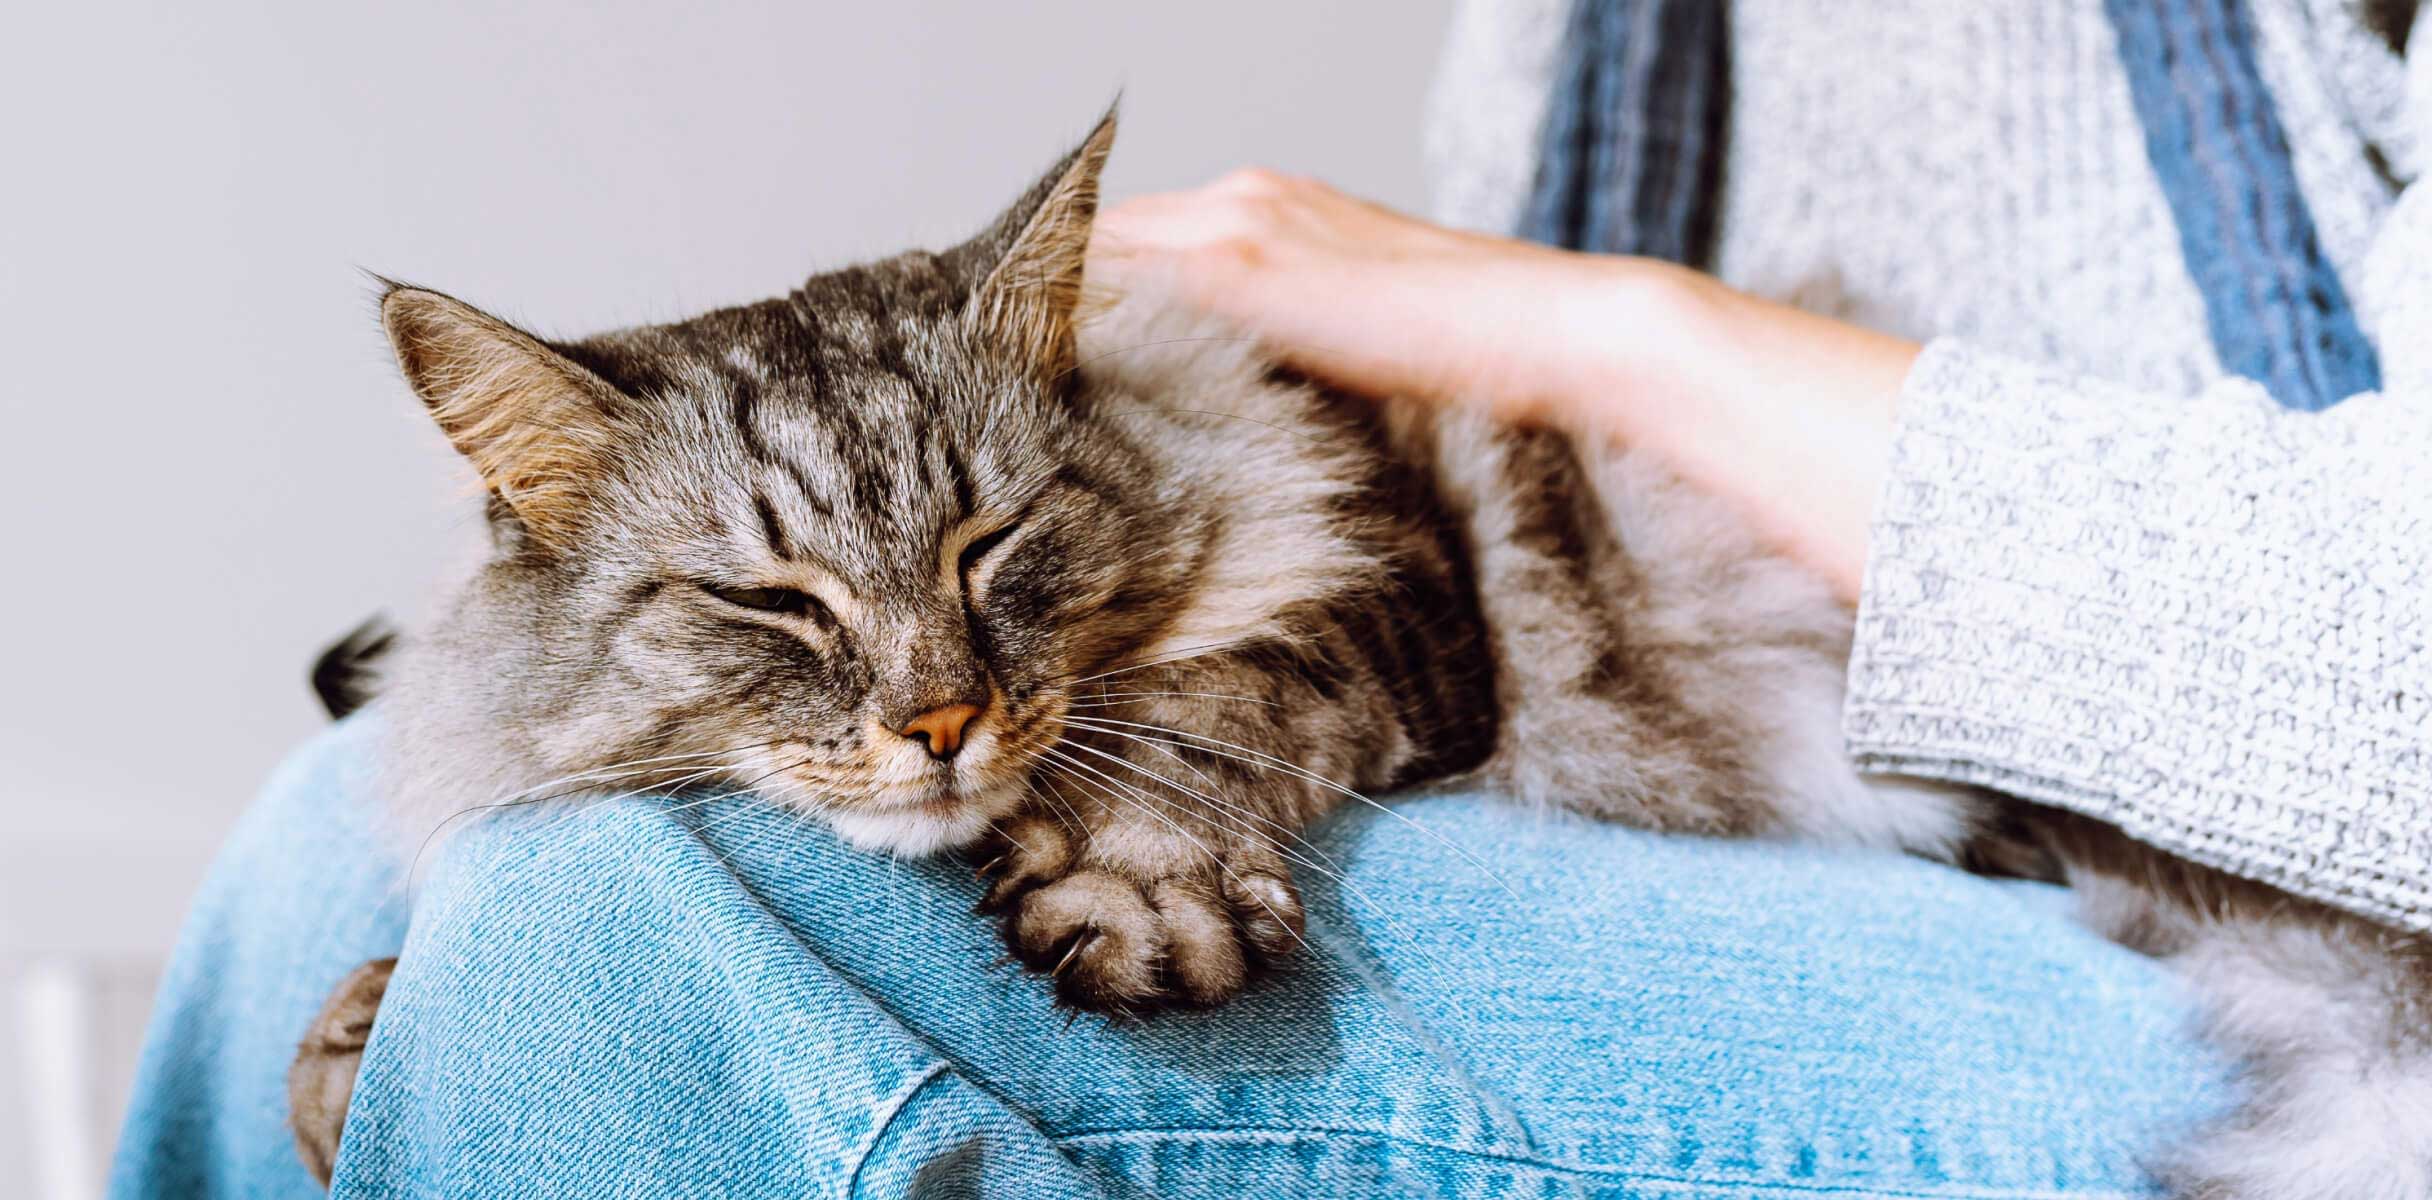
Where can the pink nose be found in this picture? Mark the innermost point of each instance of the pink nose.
(941, 729)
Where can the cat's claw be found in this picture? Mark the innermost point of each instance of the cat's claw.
(1119, 940)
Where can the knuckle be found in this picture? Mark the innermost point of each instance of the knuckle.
(1270, 913)
(1238, 251)
(1040, 850)
(1083, 898)
(1254, 181)
(1204, 948)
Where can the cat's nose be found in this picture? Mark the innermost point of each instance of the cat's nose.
(941, 728)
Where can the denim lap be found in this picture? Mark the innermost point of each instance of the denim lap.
(693, 995)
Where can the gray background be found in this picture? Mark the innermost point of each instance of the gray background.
(209, 468)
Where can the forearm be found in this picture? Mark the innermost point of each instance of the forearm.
(1784, 413)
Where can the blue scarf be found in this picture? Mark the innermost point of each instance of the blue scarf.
(1630, 162)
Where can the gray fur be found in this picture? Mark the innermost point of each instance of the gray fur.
(2330, 1013)
(1228, 597)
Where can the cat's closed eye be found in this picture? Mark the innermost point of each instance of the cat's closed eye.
(979, 549)
(792, 602)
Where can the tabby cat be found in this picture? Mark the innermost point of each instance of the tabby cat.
(937, 552)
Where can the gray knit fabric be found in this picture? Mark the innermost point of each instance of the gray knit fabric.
(2101, 576)
(2203, 620)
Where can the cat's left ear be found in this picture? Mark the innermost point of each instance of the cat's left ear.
(1026, 302)
(531, 422)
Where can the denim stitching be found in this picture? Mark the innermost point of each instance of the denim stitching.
(1955, 1191)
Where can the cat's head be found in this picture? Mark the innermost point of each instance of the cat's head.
(860, 546)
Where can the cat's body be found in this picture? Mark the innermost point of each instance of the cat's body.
(919, 552)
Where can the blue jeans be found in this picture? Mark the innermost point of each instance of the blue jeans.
(642, 998)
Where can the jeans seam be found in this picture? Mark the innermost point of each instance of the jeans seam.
(1498, 1119)
(1313, 1132)
(883, 1119)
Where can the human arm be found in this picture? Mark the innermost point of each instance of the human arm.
(2199, 616)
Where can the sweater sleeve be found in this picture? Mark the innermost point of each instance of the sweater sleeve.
(2202, 618)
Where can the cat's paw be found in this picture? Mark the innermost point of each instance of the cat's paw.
(1127, 935)
(321, 1079)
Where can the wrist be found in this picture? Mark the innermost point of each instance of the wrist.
(1617, 343)
(1785, 414)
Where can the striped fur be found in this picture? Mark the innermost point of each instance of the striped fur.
(1198, 600)
(1195, 598)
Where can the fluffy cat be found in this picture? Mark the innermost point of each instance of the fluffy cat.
(930, 551)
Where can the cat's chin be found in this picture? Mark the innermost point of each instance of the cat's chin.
(925, 827)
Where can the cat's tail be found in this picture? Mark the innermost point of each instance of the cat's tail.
(2329, 1015)
(347, 675)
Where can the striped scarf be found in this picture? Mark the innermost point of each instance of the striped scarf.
(1630, 162)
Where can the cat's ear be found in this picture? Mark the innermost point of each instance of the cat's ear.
(530, 420)
(1027, 300)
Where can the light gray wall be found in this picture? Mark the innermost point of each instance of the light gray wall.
(208, 468)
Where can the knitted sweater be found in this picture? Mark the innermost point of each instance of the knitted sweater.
(2103, 574)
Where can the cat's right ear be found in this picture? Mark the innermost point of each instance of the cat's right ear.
(529, 419)
(1028, 302)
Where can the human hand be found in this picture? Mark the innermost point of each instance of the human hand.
(1786, 414)
(1365, 297)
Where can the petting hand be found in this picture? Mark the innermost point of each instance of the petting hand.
(1783, 412)
(1360, 295)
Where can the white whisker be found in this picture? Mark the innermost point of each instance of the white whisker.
(1238, 810)
(1109, 699)
(1322, 864)
(1176, 826)
(1180, 654)
(583, 781)
(1331, 870)
(1263, 758)
(414, 865)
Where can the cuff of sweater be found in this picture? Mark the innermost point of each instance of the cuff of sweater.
(2039, 572)
(1967, 657)
(2200, 618)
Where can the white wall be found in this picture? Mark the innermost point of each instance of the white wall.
(207, 466)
